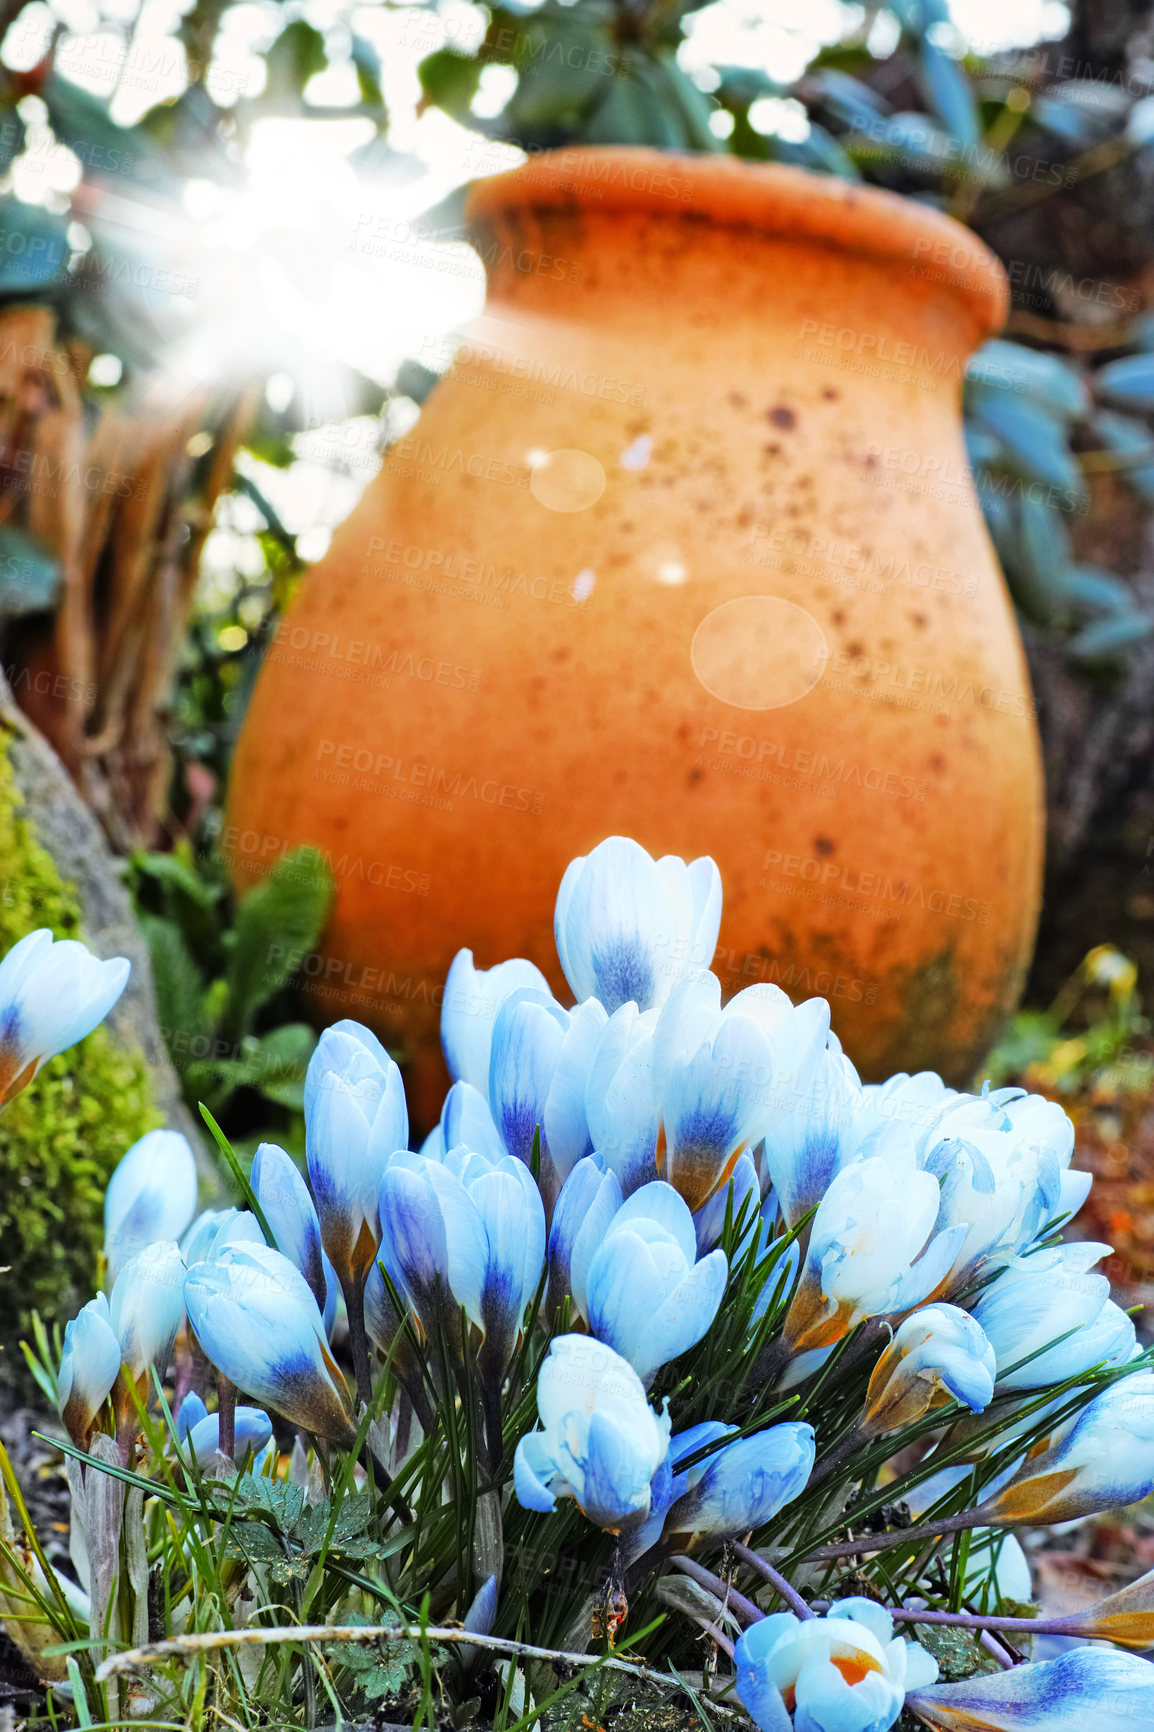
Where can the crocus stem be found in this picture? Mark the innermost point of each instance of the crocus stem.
(718, 1636)
(776, 1580)
(226, 1415)
(491, 1406)
(995, 1649)
(983, 1621)
(955, 1524)
(724, 1591)
(354, 1292)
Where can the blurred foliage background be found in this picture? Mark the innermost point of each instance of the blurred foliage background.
(231, 266)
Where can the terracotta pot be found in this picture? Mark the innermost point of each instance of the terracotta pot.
(684, 546)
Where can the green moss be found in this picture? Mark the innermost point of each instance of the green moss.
(61, 1138)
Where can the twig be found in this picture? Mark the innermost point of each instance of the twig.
(282, 1635)
(910, 1536)
(724, 1591)
(784, 1590)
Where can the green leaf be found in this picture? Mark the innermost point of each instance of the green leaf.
(1123, 434)
(29, 574)
(1033, 442)
(1106, 637)
(123, 156)
(1048, 381)
(180, 1005)
(284, 1502)
(1039, 587)
(34, 249)
(947, 90)
(297, 55)
(450, 81)
(275, 924)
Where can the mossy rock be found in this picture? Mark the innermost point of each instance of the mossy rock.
(61, 1138)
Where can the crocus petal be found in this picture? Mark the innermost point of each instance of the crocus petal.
(355, 1120)
(466, 1119)
(628, 927)
(745, 1483)
(1085, 1690)
(257, 1321)
(472, 998)
(146, 1308)
(527, 1039)
(252, 1429)
(150, 1196)
(89, 1365)
(51, 996)
(620, 1102)
(589, 1199)
(283, 1195)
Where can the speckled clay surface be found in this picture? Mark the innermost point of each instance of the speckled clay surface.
(697, 383)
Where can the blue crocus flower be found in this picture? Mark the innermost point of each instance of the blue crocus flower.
(291, 1214)
(145, 1310)
(465, 1122)
(150, 1196)
(1084, 1690)
(599, 1441)
(472, 998)
(621, 1103)
(355, 1118)
(937, 1355)
(199, 1430)
(52, 993)
(468, 1232)
(590, 1197)
(256, 1320)
(89, 1366)
(1101, 1458)
(741, 1485)
(645, 1293)
(537, 1075)
(718, 1075)
(846, 1672)
(1049, 1295)
(818, 1122)
(629, 927)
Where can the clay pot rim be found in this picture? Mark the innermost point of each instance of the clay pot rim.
(774, 198)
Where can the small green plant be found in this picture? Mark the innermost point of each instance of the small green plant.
(221, 974)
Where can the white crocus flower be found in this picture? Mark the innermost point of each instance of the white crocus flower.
(629, 927)
(150, 1196)
(51, 995)
(846, 1670)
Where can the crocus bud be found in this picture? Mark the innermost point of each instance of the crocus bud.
(741, 1193)
(252, 1429)
(621, 1104)
(355, 1118)
(509, 1207)
(817, 1124)
(89, 1366)
(1100, 1459)
(257, 1321)
(844, 1670)
(1126, 1617)
(1084, 1690)
(145, 1311)
(742, 1485)
(150, 1196)
(646, 1296)
(1043, 1297)
(466, 1122)
(537, 1075)
(714, 1072)
(472, 998)
(872, 1249)
(51, 995)
(599, 1441)
(629, 927)
(289, 1210)
(937, 1355)
(590, 1197)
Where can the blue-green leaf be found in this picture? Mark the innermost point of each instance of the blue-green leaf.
(1107, 636)
(1121, 433)
(29, 574)
(947, 90)
(1129, 381)
(1034, 443)
(1053, 383)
